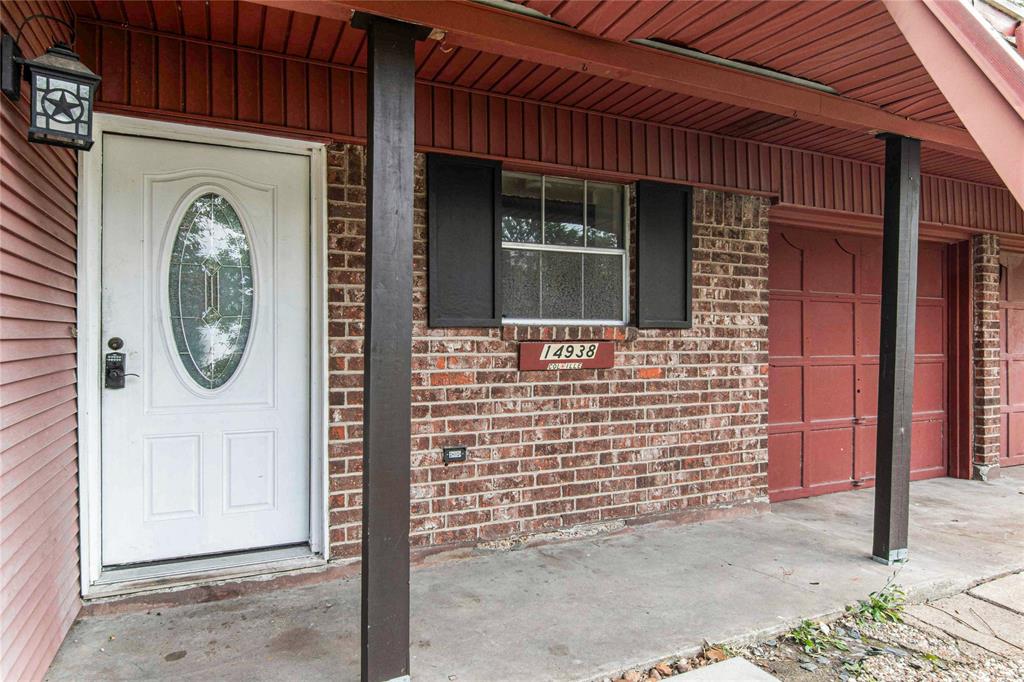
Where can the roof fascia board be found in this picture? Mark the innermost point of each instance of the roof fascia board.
(989, 117)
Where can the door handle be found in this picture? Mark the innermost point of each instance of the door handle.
(113, 371)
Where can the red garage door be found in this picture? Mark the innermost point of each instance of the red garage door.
(823, 328)
(1012, 360)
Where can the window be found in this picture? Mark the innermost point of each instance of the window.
(211, 290)
(517, 248)
(563, 249)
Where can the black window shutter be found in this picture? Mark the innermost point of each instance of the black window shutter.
(463, 242)
(664, 249)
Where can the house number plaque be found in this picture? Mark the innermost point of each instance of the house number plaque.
(554, 355)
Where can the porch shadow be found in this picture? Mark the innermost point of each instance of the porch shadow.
(582, 608)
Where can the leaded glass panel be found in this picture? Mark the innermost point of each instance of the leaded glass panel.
(211, 290)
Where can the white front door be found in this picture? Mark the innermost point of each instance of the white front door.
(205, 271)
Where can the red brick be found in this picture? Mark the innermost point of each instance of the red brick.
(683, 411)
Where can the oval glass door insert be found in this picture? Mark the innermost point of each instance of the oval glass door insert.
(211, 290)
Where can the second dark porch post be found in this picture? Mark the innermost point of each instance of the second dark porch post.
(387, 348)
(896, 347)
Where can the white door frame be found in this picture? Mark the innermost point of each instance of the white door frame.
(90, 344)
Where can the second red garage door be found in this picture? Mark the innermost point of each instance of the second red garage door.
(823, 328)
(1011, 358)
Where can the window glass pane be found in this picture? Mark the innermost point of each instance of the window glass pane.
(520, 275)
(561, 294)
(563, 212)
(210, 290)
(604, 215)
(602, 282)
(520, 202)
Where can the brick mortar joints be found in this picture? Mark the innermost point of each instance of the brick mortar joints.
(985, 346)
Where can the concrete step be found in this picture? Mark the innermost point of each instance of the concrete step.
(731, 670)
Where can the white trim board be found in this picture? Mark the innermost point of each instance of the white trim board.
(90, 344)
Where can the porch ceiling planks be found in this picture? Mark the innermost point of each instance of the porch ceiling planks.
(227, 76)
(333, 41)
(815, 40)
(486, 29)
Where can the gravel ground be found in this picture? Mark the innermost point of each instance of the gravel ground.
(854, 649)
(890, 652)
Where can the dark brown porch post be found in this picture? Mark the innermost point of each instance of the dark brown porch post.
(896, 348)
(387, 351)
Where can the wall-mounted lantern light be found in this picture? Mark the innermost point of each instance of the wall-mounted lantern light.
(62, 90)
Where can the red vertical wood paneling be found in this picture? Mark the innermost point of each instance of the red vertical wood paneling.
(548, 135)
(248, 87)
(638, 149)
(498, 136)
(742, 174)
(478, 124)
(168, 75)
(531, 131)
(197, 85)
(563, 137)
(728, 163)
(460, 120)
(578, 133)
(652, 151)
(424, 115)
(296, 95)
(320, 91)
(442, 118)
(114, 58)
(142, 77)
(704, 163)
(678, 154)
(272, 98)
(623, 147)
(692, 157)
(283, 92)
(341, 102)
(764, 167)
(39, 496)
(514, 127)
(665, 157)
(602, 142)
(358, 99)
(222, 70)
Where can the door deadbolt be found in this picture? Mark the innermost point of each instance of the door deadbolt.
(113, 376)
(113, 370)
(115, 343)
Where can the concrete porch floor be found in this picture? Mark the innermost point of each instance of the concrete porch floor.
(578, 609)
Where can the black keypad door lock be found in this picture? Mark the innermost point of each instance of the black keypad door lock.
(113, 376)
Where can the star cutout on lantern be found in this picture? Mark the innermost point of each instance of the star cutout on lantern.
(62, 106)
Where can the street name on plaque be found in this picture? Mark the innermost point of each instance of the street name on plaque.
(555, 355)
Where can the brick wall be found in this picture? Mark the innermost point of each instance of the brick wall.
(985, 285)
(678, 425)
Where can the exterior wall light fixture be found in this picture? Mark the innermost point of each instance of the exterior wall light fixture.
(62, 88)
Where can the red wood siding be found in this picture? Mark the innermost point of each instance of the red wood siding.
(822, 39)
(823, 326)
(149, 73)
(38, 474)
(1011, 360)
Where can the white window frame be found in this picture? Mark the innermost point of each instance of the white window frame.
(556, 248)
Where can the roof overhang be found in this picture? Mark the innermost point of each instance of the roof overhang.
(982, 79)
(485, 28)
